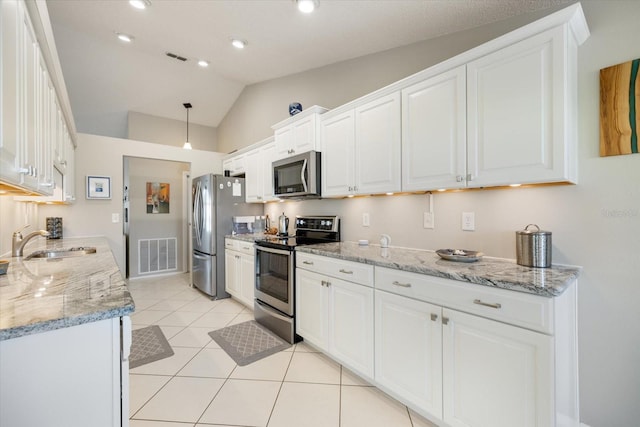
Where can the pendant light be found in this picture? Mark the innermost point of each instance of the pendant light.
(187, 145)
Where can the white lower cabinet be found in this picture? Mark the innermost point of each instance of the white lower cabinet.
(76, 376)
(461, 355)
(336, 316)
(408, 361)
(495, 375)
(239, 264)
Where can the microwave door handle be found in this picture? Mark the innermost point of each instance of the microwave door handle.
(303, 173)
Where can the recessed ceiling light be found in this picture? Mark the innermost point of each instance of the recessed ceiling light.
(140, 4)
(238, 43)
(307, 6)
(203, 63)
(125, 37)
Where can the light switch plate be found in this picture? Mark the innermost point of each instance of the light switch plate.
(468, 221)
(365, 220)
(428, 220)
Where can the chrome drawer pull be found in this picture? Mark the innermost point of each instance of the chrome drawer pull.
(307, 262)
(486, 304)
(403, 285)
(342, 270)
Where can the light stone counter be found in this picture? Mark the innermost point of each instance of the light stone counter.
(494, 272)
(41, 295)
(250, 237)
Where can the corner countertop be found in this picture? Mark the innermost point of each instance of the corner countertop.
(41, 295)
(493, 272)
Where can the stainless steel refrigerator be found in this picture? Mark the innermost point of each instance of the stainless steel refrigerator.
(216, 199)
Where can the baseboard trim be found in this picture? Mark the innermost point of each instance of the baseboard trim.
(583, 425)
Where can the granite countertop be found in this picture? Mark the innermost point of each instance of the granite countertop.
(494, 272)
(249, 237)
(41, 295)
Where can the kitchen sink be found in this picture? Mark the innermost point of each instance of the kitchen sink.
(62, 253)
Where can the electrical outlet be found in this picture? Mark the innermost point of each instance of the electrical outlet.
(115, 218)
(428, 220)
(468, 221)
(365, 220)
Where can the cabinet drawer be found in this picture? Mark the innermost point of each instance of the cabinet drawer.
(239, 245)
(516, 308)
(346, 270)
(230, 244)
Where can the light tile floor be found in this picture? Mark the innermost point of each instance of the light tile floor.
(200, 385)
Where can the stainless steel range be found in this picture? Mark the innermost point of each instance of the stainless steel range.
(274, 305)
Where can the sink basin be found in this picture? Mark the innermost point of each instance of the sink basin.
(62, 253)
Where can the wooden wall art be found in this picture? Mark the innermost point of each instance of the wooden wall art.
(619, 109)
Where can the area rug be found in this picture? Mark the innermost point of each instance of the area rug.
(148, 345)
(248, 341)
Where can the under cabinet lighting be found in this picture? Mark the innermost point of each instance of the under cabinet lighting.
(239, 44)
(125, 37)
(140, 4)
(389, 194)
(442, 189)
(515, 185)
(307, 6)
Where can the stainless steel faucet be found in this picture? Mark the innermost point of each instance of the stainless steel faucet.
(18, 242)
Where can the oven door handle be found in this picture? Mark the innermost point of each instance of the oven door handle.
(272, 250)
(272, 312)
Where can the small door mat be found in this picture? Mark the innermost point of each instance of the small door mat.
(248, 341)
(148, 345)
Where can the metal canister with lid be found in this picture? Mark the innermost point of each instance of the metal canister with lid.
(533, 247)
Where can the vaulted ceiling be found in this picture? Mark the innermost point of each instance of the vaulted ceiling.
(106, 78)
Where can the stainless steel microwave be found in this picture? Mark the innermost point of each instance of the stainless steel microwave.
(297, 176)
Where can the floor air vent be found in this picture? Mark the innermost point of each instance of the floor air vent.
(157, 255)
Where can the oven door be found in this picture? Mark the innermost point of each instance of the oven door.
(274, 278)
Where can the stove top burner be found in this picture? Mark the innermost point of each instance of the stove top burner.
(309, 230)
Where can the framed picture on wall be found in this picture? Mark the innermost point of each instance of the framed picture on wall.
(98, 187)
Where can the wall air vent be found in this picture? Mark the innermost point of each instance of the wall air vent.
(174, 56)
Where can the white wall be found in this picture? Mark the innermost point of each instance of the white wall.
(160, 130)
(595, 224)
(100, 155)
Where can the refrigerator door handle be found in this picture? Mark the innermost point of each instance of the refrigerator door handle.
(197, 212)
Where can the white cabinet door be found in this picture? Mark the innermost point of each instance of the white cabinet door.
(28, 102)
(247, 279)
(231, 272)
(284, 142)
(408, 350)
(495, 375)
(434, 132)
(253, 176)
(70, 171)
(311, 308)
(351, 325)
(516, 113)
(377, 137)
(45, 138)
(304, 135)
(267, 156)
(338, 154)
(10, 90)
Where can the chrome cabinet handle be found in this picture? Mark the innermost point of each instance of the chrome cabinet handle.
(325, 283)
(342, 270)
(445, 320)
(469, 177)
(402, 285)
(487, 304)
(459, 178)
(434, 317)
(307, 262)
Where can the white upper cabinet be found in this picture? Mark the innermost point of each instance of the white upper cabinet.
(518, 102)
(361, 149)
(338, 154)
(378, 146)
(299, 133)
(258, 172)
(33, 128)
(434, 133)
(11, 24)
